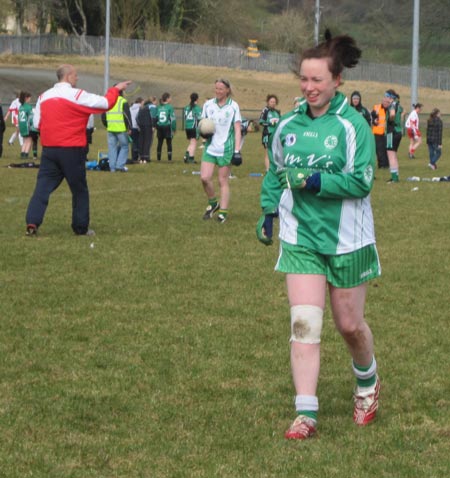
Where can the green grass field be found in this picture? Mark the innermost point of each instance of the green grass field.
(159, 348)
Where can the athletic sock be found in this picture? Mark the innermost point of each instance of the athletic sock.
(307, 405)
(394, 174)
(212, 202)
(224, 212)
(366, 377)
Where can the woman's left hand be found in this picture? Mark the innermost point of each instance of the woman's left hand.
(293, 178)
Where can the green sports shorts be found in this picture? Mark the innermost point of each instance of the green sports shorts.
(343, 271)
(220, 161)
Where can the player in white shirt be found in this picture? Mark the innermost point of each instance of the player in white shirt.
(412, 128)
(13, 110)
(222, 149)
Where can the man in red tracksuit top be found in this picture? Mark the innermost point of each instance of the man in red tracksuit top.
(61, 116)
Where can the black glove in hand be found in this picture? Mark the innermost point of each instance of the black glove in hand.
(236, 160)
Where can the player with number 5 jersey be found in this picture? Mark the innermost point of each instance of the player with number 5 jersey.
(166, 125)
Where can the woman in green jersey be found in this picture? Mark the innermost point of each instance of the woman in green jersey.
(166, 125)
(192, 115)
(394, 122)
(268, 120)
(25, 118)
(321, 174)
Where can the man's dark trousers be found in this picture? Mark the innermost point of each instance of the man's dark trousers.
(58, 163)
(380, 145)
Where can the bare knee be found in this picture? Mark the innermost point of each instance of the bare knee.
(206, 180)
(354, 333)
(223, 181)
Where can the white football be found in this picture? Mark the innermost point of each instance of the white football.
(206, 127)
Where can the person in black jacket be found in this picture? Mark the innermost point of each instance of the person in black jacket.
(2, 130)
(145, 123)
(434, 137)
(355, 101)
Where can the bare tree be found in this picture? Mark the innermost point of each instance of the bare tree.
(79, 29)
(19, 12)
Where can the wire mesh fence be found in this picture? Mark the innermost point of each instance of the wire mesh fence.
(215, 56)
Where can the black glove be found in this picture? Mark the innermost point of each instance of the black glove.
(236, 160)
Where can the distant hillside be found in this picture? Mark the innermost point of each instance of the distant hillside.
(382, 28)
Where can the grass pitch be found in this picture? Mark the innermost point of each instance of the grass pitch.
(159, 347)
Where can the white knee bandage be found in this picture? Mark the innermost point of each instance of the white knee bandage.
(306, 324)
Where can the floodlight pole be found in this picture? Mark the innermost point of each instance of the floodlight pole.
(316, 22)
(107, 28)
(415, 53)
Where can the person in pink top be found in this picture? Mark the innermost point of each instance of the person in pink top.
(61, 116)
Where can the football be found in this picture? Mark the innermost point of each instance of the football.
(206, 128)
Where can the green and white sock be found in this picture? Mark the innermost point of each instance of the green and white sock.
(366, 377)
(307, 405)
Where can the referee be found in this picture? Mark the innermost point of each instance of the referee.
(61, 116)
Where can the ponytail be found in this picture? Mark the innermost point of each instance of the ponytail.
(194, 98)
(341, 51)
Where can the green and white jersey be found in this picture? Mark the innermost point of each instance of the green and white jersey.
(25, 117)
(269, 117)
(398, 126)
(340, 145)
(192, 115)
(224, 117)
(166, 116)
(394, 124)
